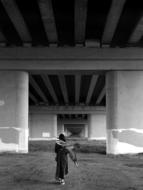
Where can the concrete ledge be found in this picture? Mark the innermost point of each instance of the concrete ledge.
(76, 53)
(42, 139)
(39, 59)
(67, 109)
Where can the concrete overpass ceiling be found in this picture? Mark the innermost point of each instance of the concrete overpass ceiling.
(76, 23)
(31, 14)
(88, 23)
(50, 92)
(96, 18)
(128, 25)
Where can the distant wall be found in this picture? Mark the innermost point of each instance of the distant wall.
(46, 126)
(42, 126)
(97, 126)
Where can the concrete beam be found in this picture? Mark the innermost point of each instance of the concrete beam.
(112, 20)
(74, 121)
(92, 43)
(17, 19)
(63, 88)
(67, 109)
(70, 54)
(138, 32)
(38, 89)
(101, 95)
(33, 97)
(65, 59)
(50, 87)
(80, 20)
(47, 15)
(91, 88)
(77, 88)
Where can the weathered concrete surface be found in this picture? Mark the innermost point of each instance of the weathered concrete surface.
(47, 59)
(40, 121)
(67, 109)
(12, 138)
(13, 111)
(43, 126)
(124, 112)
(97, 126)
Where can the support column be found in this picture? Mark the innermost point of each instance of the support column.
(97, 126)
(14, 111)
(124, 112)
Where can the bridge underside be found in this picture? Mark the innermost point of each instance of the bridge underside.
(92, 103)
(74, 67)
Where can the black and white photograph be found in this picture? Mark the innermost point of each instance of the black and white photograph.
(71, 94)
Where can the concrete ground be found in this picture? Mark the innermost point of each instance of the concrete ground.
(36, 171)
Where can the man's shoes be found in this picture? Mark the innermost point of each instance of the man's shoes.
(62, 182)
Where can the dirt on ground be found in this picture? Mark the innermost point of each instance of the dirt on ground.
(36, 171)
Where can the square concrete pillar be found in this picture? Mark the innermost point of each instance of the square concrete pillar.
(124, 112)
(97, 126)
(14, 111)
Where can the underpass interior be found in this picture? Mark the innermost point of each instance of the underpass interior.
(74, 125)
(69, 90)
(93, 35)
(75, 130)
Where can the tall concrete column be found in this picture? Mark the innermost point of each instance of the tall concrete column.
(97, 126)
(124, 112)
(14, 111)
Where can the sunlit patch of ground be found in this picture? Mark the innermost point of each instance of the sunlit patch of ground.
(96, 171)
